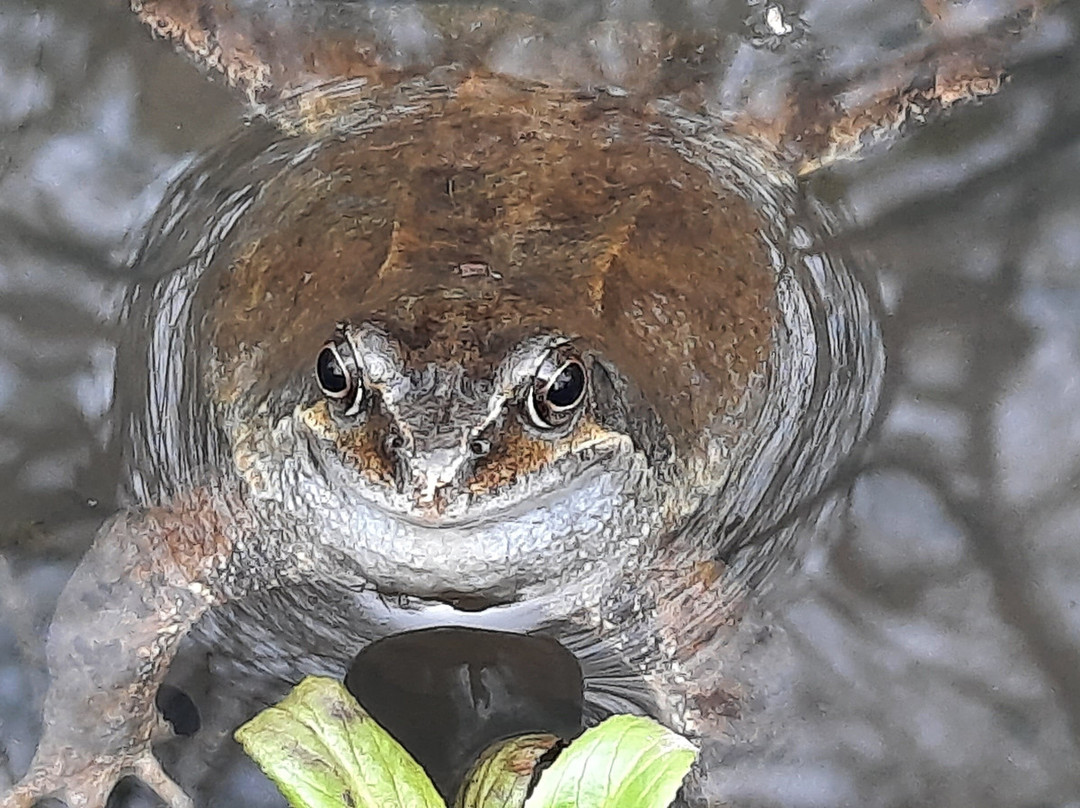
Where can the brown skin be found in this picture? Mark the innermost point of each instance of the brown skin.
(583, 233)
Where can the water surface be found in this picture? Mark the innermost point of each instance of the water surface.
(936, 646)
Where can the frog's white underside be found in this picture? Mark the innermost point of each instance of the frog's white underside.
(564, 521)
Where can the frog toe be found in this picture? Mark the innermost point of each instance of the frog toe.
(89, 786)
(148, 769)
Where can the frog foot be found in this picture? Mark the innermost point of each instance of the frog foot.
(83, 782)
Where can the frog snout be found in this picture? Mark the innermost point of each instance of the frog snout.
(427, 473)
(432, 472)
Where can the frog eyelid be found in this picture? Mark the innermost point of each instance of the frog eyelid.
(522, 363)
(375, 355)
(358, 400)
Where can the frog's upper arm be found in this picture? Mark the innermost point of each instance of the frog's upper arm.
(147, 578)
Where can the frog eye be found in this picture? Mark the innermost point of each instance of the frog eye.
(338, 377)
(557, 391)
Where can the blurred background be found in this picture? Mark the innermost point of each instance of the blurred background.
(936, 646)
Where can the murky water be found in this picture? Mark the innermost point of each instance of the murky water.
(935, 648)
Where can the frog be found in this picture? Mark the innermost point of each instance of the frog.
(552, 357)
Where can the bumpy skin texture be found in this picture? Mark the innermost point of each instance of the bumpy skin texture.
(448, 235)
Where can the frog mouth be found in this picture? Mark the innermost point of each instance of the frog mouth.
(494, 557)
(468, 601)
(488, 550)
(512, 501)
(464, 506)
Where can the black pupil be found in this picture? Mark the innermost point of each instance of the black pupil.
(331, 376)
(568, 386)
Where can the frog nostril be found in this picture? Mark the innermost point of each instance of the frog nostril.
(394, 448)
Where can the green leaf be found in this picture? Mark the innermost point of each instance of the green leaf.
(625, 762)
(501, 776)
(323, 751)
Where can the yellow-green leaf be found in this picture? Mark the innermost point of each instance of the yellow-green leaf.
(625, 762)
(322, 750)
(500, 778)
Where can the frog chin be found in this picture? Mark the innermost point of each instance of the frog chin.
(577, 520)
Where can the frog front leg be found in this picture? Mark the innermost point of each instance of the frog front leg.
(142, 585)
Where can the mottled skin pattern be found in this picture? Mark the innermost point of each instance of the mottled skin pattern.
(450, 234)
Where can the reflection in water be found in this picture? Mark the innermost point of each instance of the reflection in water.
(447, 694)
(937, 647)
